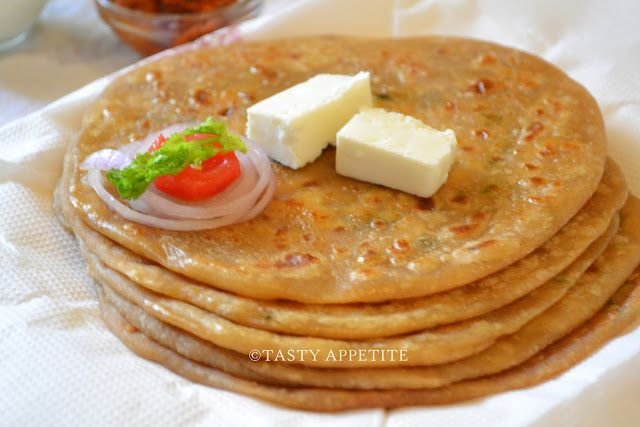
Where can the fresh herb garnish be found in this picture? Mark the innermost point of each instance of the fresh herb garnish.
(174, 156)
(428, 243)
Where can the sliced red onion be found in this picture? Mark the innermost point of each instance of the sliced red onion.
(264, 199)
(240, 195)
(105, 160)
(242, 201)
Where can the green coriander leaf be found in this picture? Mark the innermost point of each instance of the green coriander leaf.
(174, 156)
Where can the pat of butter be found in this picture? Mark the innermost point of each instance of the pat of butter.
(294, 126)
(396, 151)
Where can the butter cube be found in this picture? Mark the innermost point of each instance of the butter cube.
(295, 125)
(396, 151)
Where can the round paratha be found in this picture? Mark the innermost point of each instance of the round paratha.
(360, 321)
(614, 318)
(434, 346)
(531, 152)
(501, 322)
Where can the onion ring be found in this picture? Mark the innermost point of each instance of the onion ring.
(241, 202)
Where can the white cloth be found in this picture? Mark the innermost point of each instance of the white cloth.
(60, 366)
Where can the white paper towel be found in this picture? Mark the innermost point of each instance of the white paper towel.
(60, 366)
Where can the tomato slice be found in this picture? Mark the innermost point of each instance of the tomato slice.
(213, 177)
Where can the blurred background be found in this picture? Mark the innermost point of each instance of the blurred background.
(68, 46)
(594, 41)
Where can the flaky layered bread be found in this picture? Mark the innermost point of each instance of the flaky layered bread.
(531, 152)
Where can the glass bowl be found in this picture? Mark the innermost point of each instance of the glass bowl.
(148, 33)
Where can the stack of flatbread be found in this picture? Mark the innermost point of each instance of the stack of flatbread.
(521, 265)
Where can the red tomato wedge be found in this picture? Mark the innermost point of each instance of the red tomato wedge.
(213, 177)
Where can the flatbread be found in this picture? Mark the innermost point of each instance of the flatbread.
(531, 152)
(430, 347)
(618, 315)
(379, 320)
(233, 363)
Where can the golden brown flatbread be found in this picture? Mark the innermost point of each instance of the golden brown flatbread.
(432, 346)
(532, 151)
(622, 311)
(360, 321)
(484, 284)
(429, 347)
(237, 364)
